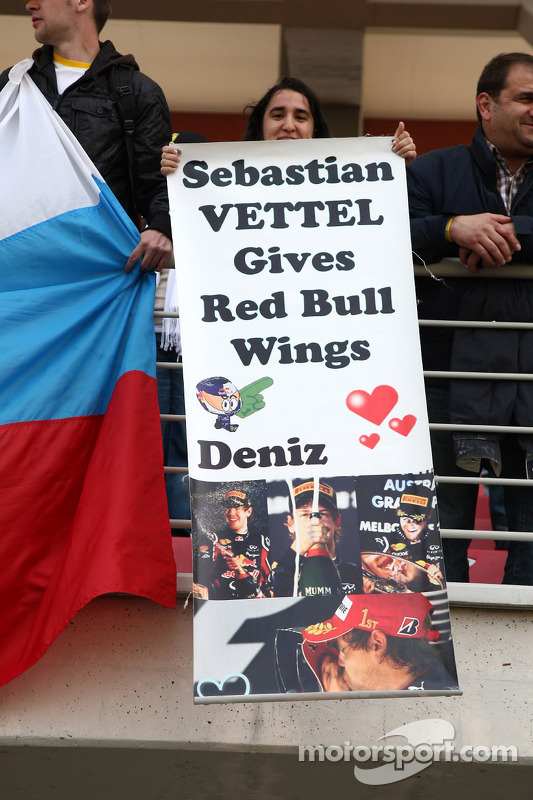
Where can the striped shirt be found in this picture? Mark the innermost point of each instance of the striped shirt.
(508, 184)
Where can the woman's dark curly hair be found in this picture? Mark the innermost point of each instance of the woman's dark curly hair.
(254, 129)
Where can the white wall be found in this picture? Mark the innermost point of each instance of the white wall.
(420, 74)
(121, 674)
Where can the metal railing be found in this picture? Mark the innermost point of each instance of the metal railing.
(468, 593)
(481, 594)
(175, 524)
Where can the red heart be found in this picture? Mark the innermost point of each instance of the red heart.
(369, 441)
(373, 407)
(403, 426)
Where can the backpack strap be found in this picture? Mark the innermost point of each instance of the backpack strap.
(122, 86)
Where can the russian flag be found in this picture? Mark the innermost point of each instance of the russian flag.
(82, 499)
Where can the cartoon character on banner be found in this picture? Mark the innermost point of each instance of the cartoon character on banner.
(221, 397)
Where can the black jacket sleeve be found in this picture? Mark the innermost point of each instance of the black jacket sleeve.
(426, 211)
(152, 131)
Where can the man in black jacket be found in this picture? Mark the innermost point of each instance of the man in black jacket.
(82, 79)
(476, 204)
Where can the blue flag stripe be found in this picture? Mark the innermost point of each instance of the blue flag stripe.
(68, 317)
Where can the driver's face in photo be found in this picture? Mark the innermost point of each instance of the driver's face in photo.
(411, 528)
(237, 517)
(331, 674)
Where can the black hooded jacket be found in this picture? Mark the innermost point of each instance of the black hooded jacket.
(89, 109)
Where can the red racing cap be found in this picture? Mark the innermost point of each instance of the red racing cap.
(399, 615)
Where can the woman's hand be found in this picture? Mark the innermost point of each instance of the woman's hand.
(403, 144)
(170, 158)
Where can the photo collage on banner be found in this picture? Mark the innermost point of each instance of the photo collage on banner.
(318, 567)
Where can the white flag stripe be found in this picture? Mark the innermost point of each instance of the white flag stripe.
(36, 135)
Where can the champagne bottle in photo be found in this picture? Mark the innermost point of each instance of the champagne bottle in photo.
(319, 576)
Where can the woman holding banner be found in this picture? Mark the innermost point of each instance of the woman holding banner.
(290, 110)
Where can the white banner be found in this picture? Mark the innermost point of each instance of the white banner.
(306, 419)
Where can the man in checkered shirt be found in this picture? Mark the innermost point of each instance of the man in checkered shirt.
(476, 203)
